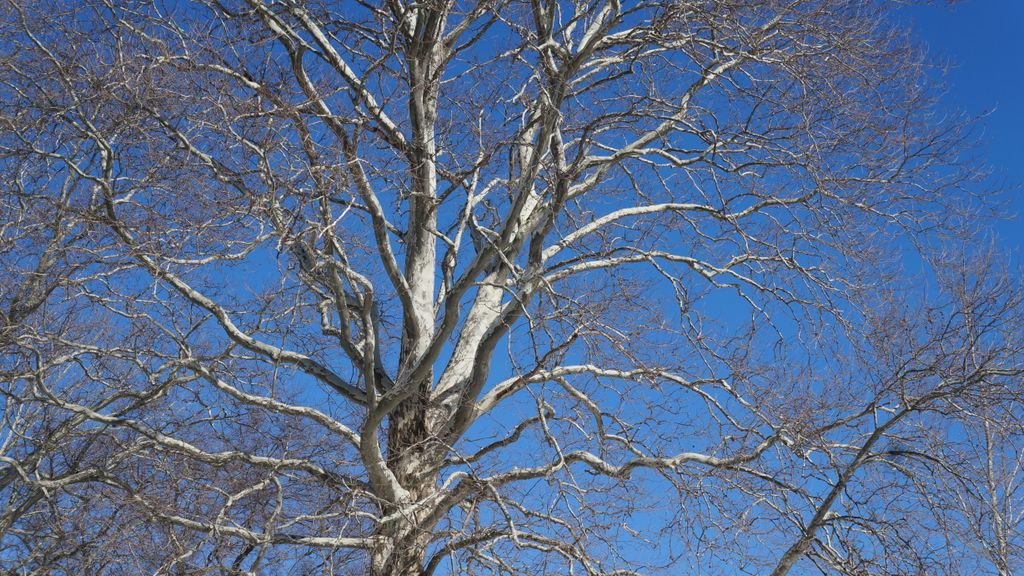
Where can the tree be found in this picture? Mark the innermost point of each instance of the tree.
(466, 287)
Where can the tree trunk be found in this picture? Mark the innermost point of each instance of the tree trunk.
(403, 550)
(400, 556)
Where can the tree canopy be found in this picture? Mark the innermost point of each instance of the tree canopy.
(496, 287)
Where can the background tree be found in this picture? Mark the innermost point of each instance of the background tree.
(465, 287)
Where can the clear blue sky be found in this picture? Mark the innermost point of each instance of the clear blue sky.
(983, 41)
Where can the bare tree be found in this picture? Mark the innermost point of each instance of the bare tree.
(468, 287)
(979, 496)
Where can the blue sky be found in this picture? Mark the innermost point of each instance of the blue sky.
(983, 42)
